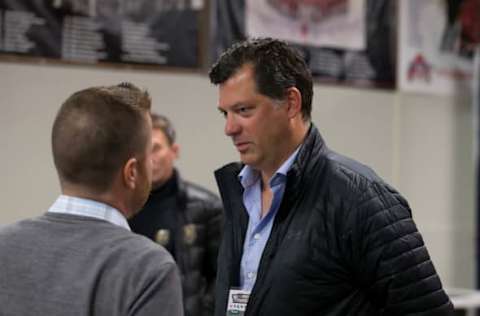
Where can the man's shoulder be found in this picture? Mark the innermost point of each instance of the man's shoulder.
(22, 227)
(98, 239)
(125, 250)
(350, 168)
(138, 245)
(354, 180)
(10, 231)
(197, 192)
(202, 204)
(348, 175)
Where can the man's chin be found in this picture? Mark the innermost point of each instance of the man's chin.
(247, 159)
(156, 184)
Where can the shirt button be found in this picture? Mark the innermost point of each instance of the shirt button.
(250, 275)
(256, 236)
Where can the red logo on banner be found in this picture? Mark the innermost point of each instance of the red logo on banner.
(419, 69)
(317, 10)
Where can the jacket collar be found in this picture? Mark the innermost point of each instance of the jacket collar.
(310, 154)
(311, 151)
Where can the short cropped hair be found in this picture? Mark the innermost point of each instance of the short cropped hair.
(162, 123)
(96, 131)
(277, 67)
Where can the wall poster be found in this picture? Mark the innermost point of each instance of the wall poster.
(437, 41)
(344, 41)
(158, 32)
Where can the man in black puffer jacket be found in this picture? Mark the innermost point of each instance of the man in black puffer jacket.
(308, 231)
(184, 218)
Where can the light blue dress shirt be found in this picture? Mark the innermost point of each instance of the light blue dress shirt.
(259, 228)
(78, 206)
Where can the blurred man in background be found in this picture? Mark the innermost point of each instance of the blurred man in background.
(183, 217)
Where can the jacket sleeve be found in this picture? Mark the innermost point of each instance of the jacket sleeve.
(160, 292)
(394, 265)
(214, 229)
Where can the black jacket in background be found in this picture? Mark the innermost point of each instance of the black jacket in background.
(343, 243)
(196, 239)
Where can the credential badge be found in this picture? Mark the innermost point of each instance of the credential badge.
(162, 237)
(189, 234)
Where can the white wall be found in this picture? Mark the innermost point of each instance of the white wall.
(420, 144)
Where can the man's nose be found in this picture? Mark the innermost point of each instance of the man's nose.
(231, 125)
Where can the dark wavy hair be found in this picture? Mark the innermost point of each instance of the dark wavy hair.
(277, 66)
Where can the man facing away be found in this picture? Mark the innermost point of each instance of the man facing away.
(308, 231)
(183, 217)
(80, 258)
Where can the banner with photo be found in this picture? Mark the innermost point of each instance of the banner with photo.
(437, 41)
(336, 24)
(343, 41)
(158, 32)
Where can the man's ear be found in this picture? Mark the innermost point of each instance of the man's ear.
(294, 102)
(130, 173)
(176, 150)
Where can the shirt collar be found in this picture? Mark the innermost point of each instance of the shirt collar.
(85, 207)
(248, 176)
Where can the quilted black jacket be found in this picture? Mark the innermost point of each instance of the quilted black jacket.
(343, 243)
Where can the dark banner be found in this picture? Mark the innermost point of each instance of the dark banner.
(159, 32)
(372, 66)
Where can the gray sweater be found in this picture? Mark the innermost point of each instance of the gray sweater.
(60, 264)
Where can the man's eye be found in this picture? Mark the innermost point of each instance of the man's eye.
(223, 113)
(243, 110)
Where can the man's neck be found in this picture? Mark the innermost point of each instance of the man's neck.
(164, 182)
(106, 197)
